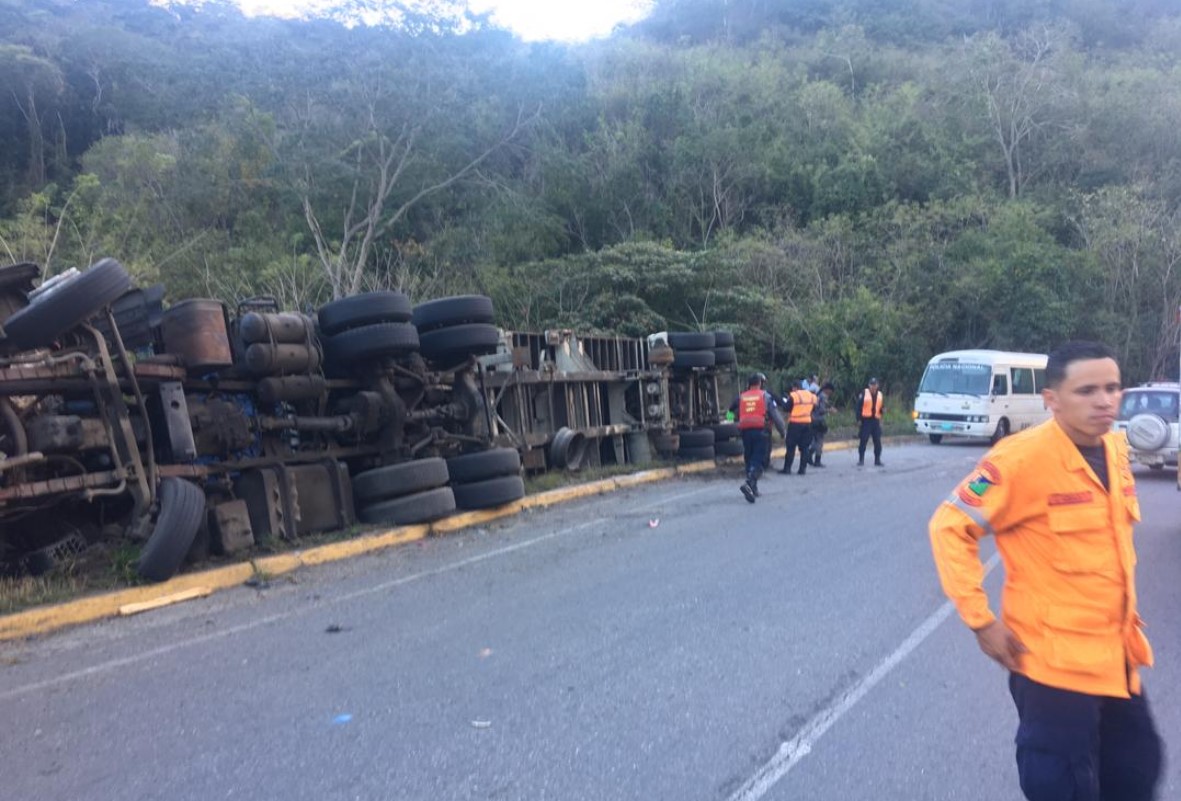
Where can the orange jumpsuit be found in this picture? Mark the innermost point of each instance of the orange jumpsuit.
(1066, 543)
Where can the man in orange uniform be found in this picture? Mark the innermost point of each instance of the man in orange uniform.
(755, 407)
(1061, 502)
(869, 413)
(800, 404)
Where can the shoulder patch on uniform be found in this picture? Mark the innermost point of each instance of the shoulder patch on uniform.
(973, 490)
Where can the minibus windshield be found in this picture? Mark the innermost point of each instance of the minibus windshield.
(957, 378)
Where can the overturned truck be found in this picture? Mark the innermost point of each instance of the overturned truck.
(199, 427)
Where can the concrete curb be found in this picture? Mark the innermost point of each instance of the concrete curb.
(43, 620)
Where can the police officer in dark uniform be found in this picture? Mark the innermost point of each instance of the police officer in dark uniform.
(754, 408)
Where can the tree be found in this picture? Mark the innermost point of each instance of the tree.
(1020, 85)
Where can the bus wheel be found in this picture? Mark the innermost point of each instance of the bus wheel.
(1002, 431)
(935, 438)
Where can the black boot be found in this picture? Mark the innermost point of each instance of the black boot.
(861, 460)
(754, 485)
(748, 492)
(878, 463)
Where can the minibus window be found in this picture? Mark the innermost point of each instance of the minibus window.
(1000, 385)
(1039, 380)
(1022, 381)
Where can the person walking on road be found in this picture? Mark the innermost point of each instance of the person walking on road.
(869, 415)
(755, 407)
(820, 423)
(1061, 502)
(799, 426)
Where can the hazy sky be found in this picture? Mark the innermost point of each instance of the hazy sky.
(566, 20)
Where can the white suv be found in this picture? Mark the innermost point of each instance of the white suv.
(1148, 415)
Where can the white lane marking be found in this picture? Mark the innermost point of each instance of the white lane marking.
(791, 752)
(103, 667)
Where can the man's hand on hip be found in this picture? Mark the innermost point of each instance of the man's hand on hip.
(1000, 644)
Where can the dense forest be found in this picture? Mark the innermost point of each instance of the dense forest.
(849, 185)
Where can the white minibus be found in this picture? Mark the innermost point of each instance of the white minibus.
(986, 394)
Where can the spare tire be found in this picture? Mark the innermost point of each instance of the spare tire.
(723, 339)
(74, 302)
(1148, 432)
(182, 510)
(444, 312)
(482, 465)
(369, 308)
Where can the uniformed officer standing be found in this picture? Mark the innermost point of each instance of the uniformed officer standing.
(755, 407)
(799, 426)
(1061, 502)
(869, 413)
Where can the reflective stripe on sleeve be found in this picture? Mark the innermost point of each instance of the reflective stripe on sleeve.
(972, 512)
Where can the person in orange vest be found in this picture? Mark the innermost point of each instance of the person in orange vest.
(869, 413)
(1060, 500)
(754, 408)
(799, 403)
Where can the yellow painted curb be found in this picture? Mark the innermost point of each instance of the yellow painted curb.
(43, 620)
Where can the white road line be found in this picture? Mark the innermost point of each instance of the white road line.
(155, 652)
(791, 752)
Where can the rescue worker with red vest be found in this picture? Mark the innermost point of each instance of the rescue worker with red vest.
(1060, 500)
(869, 408)
(800, 403)
(755, 407)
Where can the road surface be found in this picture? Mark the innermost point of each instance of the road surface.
(666, 642)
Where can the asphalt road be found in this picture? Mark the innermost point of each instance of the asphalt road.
(667, 642)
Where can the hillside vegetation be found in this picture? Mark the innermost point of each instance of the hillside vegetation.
(850, 185)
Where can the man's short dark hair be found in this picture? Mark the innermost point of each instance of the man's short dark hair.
(796, 383)
(754, 380)
(1066, 354)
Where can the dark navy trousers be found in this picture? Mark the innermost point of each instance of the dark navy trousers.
(754, 451)
(1077, 747)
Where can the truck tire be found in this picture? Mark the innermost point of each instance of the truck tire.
(490, 493)
(683, 359)
(399, 480)
(692, 340)
(447, 312)
(371, 342)
(369, 308)
(696, 454)
(47, 318)
(723, 339)
(182, 508)
(725, 356)
(460, 341)
(482, 465)
(698, 438)
(422, 507)
(724, 431)
(729, 447)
